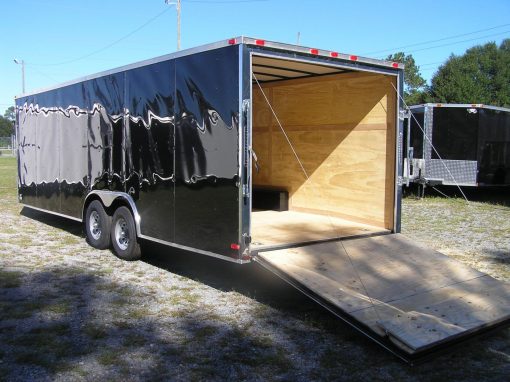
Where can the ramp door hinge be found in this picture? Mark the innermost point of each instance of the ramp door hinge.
(406, 113)
(246, 190)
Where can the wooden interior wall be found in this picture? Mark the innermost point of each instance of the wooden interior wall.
(342, 127)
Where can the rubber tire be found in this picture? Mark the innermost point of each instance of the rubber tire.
(132, 251)
(105, 223)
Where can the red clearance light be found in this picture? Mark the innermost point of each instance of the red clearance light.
(334, 54)
(314, 51)
(232, 41)
(235, 246)
(260, 42)
(395, 64)
(353, 58)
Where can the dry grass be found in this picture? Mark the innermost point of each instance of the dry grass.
(69, 312)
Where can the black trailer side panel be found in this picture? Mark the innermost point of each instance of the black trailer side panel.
(150, 146)
(70, 142)
(494, 147)
(207, 151)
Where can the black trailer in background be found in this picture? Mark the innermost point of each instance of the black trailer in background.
(472, 140)
(177, 149)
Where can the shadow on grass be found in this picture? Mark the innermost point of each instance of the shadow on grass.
(87, 324)
(68, 225)
(71, 323)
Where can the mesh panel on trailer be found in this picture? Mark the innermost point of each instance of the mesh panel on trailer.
(464, 171)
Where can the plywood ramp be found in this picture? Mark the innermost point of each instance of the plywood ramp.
(342, 127)
(270, 228)
(411, 295)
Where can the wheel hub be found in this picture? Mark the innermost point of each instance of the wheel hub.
(95, 225)
(122, 234)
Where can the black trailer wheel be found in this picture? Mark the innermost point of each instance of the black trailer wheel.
(97, 225)
(123, 235)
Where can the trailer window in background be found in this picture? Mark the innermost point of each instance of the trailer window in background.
(455, 133)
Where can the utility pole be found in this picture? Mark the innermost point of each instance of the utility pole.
(177, 4)
(22, 63)
(298, 37)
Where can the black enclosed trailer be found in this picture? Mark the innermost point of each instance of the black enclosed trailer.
(252, 150)
(458, 144)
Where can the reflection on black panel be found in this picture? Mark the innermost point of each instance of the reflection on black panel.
(166, 133)
(150, 150)
(206, 194)
(70, 142)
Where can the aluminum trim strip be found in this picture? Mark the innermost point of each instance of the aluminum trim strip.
(52, 212)
(322, 53)
(202, 252)
(460, 105)
(320, 61)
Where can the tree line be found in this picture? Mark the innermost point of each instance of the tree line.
(480, 75)
(7, 122)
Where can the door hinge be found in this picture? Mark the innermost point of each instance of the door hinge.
(246, 190)
(404, 114)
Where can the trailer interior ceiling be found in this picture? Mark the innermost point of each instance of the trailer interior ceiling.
(341, 123)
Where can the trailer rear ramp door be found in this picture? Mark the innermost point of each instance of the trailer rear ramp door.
(408, 298)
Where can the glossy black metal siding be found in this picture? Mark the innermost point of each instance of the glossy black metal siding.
(150, 146)
(165, 133)
(66, 144)
(207, 152)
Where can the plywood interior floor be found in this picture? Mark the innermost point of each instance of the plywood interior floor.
(274, 228)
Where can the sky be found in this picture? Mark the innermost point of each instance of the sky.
(61, 40)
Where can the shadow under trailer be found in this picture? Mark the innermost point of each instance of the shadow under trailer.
(250, 150)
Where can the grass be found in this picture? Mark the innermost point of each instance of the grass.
(10, 279)
(134, 340)
(8, 178)
(104, 312)
(19, 310)
(95, 332)
(110, 357)
(43, 346)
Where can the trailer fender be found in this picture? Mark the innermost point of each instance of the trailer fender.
(108, 197)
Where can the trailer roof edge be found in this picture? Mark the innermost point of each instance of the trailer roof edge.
(270, 45)
(461, 105)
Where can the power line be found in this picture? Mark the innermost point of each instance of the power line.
(43, 74)
(438, 40)
(109, 45)
(223, 1)
(458, 42)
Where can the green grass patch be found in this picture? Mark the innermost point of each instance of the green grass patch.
(17, 310)
(134, 340)
(10, 279)
(139, 313)
(95, 332)
(8, 178)
(62, 307)
(110, 357)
